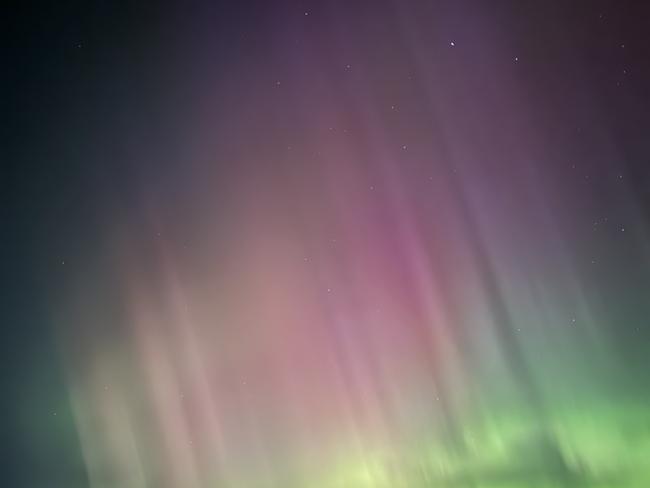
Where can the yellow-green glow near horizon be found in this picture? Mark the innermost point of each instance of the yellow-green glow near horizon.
(369, 249)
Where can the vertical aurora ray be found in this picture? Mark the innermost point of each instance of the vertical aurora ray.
(364, 246)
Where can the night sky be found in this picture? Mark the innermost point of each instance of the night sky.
(326, 244)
